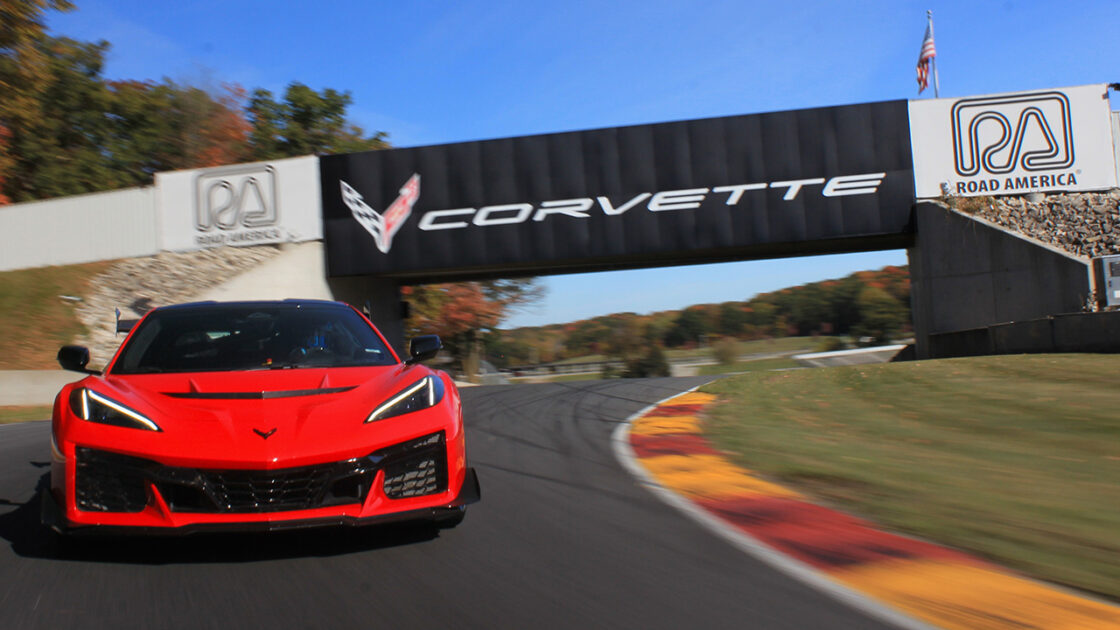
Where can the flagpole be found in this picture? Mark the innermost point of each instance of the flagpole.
(933, 61)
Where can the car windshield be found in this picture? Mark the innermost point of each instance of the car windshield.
(227, 337)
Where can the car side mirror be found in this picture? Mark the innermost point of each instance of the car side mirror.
(75, 359)
(423, 348)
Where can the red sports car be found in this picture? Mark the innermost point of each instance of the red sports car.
(256, 415)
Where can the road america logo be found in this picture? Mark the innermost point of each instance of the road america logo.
(382, 227)
(1002, 134)
(236, 206)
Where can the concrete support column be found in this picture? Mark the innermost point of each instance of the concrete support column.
(968, 274)
(384, 299)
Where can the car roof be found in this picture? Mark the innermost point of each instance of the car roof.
(211, 305)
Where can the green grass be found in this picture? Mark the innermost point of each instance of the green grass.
(758, 346)
(590, 358)
(749, 366)
(34, 320)
(1015, 458)
(567, 378)
(10, 414)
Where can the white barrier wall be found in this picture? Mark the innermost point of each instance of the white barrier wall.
(242, 204)
(1116, 142)
(78, 229)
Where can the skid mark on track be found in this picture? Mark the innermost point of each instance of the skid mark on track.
(928, 582)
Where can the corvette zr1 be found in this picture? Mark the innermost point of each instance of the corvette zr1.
(256, 416)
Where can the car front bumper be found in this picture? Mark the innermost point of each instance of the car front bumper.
(470, 492)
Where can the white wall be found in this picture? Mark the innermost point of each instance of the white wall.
(1116, 141)
(78, 229)
(298, 272)
(242, 204)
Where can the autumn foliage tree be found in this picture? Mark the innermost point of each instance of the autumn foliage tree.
(866, 303)
(464, 313)
(90, 134)
(23, 74)
(65, 129)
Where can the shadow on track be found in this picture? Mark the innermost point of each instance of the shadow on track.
(30, 539)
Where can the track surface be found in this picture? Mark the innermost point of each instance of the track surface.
(563, 538)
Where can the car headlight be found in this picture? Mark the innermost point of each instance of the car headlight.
(93, 407)
(422, 394)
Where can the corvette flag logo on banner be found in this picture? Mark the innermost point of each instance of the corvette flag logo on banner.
(382, 227)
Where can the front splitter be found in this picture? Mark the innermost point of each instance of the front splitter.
(52, 516)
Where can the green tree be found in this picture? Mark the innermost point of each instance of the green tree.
(164, 126)
(881, 315)
(807, 308)
(586, 337)
(91, 135)
(843, 303)
(305, 122)
(652, 363)
(624, 337)
(732, 319)
(725, 350)
(687, 328)
(57, 146)
(23, 76)
(761, 314)
(21, 22)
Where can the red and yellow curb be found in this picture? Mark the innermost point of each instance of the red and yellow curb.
(931, 583)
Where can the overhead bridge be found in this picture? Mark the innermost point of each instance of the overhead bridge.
(780, 184)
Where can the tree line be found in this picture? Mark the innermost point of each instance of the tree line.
(869, 305)
(65, 129)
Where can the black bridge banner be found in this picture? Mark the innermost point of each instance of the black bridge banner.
(762, 185)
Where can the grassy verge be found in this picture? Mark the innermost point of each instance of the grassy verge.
(758, 346)
(24, 413)
(1014, 458)
(758, 365)
(567, 378)
(34, 320)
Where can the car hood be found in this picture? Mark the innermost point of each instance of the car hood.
(271, 416)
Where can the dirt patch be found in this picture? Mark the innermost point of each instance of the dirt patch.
(38, 312)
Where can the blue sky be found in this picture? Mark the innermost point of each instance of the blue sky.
(436, 72)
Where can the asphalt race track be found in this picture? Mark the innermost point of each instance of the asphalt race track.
(564, 538)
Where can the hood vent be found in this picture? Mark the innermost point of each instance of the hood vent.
(289, 393)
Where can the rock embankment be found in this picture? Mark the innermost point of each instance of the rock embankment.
(136, 285)
(1083, 224)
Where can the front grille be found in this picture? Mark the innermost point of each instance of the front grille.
(108, 482)
(415, 468)
(414, 478)
(305, 487)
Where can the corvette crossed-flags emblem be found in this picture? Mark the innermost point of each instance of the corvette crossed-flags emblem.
(382, 227)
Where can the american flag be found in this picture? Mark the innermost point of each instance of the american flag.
(924, 59)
